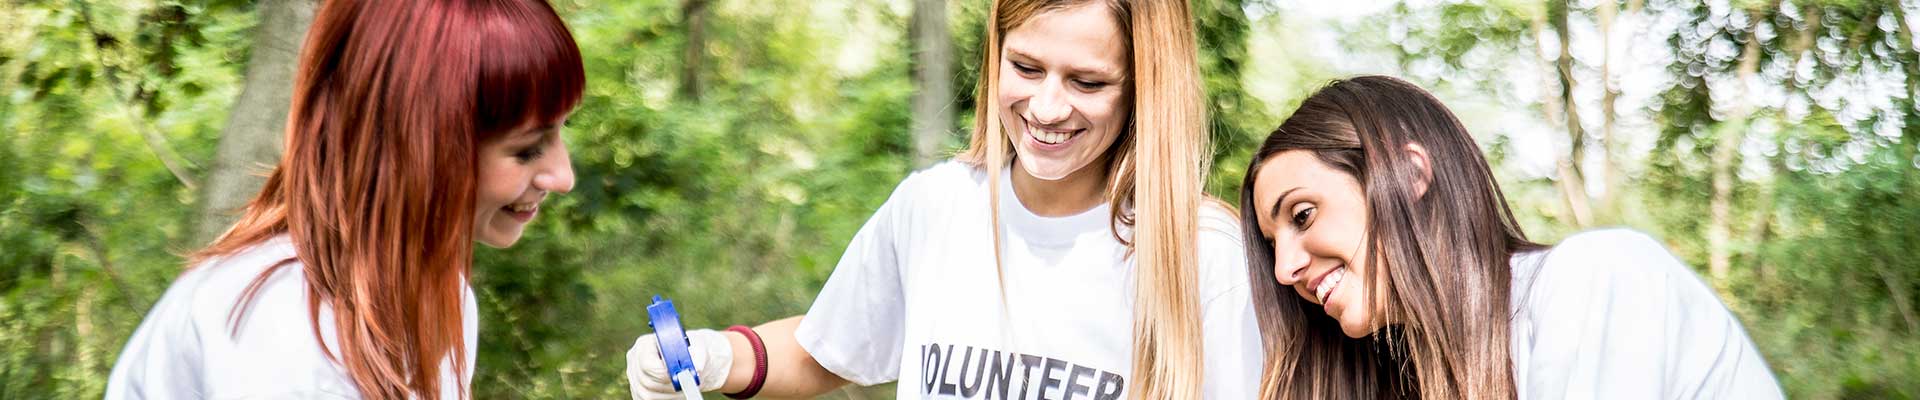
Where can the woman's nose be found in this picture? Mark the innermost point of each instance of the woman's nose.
(1290, 260)
(557, 178)
(1049, 107)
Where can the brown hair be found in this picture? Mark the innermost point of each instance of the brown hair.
(1438, 261)
(1156, 171)
(391, 102)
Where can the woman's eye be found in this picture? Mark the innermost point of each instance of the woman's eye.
(529, 154)
(1089, 85)
(1024, 69)
(1301, 217)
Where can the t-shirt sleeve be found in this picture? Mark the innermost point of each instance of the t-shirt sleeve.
(856, 327)
(163, 359)
(1232, 344)
(1614, 315)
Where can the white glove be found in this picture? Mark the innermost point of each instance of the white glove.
(647, 372)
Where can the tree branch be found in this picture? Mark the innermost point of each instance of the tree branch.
(155, 141)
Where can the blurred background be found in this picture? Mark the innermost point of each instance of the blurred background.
(727, 150)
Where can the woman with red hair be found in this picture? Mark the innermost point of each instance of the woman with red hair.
(417, 128)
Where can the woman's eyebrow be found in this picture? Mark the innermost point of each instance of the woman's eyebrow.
(540, 131)
(1115, 72)
(1018, 56)
(1016, 53)
(1275, 213)
(1099, 74)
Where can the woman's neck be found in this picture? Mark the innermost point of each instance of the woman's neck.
(1078, 192)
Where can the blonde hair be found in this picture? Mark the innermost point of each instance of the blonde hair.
(1157, 168)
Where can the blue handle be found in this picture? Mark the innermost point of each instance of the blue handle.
(673, 340)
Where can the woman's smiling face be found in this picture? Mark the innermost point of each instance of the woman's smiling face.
(1064, 91)
(1315, 217)
(517, 171)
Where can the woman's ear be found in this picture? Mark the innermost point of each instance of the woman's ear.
(1423, 166)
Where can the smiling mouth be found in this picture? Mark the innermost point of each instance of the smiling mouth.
(1325, 289)
(522, 212)
(1053, 137)
(521, 208)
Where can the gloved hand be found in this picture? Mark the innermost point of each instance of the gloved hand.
(647, 372)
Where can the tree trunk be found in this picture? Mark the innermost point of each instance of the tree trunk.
(1897, 287)
(251, 141)
(1762, 229)
(1726, 152)
(1612, 169)
(83, 331)
(932, 80)
(693, 13)
(1572, 184)
(1608, 12)
(1912, 61)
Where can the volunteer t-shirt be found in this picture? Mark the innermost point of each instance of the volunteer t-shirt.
(916, 298)
(188, 349)
(1611, 314)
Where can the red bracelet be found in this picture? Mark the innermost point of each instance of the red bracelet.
(759, 363)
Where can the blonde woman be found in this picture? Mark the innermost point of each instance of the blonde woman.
(1067, 253)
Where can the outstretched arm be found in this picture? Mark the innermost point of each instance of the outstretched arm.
(725, 362)
(791, 372)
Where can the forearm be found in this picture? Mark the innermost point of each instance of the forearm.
(791, 372)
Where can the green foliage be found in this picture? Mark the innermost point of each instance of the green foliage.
(1821, 279)
(1239, 120)
(89, 219)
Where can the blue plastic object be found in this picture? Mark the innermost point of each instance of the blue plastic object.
(673, 340)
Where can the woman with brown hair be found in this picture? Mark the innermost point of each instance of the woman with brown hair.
(1385, 263)
(1068, 252)
(417, 129)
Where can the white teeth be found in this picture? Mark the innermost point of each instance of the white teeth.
(523, 207)
(1051, 137)
(1328, 283)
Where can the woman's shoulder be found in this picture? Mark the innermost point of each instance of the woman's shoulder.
(1220, 238)
(1612, 251)
(208, 297)
(946, 182)
(1220, 224)
(225, 278)
(946, 175)
(1596, 264)
(1622, 294)
(264, 348)
(1221, 251)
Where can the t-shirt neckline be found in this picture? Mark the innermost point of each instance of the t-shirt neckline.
(1042, 229)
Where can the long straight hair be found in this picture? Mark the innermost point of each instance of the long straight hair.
(1155, 172)
(392, 100)
(1438, 262)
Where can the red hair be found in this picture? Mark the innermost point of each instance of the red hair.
(391, 102)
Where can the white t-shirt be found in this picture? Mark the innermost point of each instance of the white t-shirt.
(186, 348)
(915, 299)
(1611, 314)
